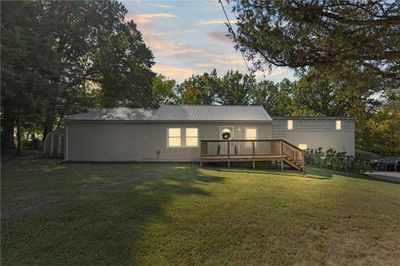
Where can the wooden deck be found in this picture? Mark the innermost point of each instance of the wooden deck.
(263, 150)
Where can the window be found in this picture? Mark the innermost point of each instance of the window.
(251, 133)
(174, 137)
(192, 137)
(338, 124)
(290, 124)
(303, 147)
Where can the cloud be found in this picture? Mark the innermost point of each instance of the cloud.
(210, 21)
(144, 18)
(169, 71)
(163, 6)
(220, 36)
(167, 48)
(163, 33)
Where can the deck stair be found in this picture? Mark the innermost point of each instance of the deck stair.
(259, 150)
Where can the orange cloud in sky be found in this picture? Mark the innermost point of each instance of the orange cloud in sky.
(144, 18)
(174, 72)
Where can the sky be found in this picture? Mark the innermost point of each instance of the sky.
(189, 37)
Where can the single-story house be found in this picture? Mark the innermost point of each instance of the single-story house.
(199, 132)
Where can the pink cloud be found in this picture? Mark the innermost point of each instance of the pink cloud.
(144, 18)
(174, 72)
(220, 36)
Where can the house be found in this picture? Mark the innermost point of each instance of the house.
(201, 133)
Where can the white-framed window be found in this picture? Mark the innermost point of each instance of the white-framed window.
(338, 124)
(303, 147)
(174, 137)
(250, 133)
(192, 137)
(290, 124)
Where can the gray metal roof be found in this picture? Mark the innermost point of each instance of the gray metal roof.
(111, 114)
(177, 113)
(313, 118)
(211, 113)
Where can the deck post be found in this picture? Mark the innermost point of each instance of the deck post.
(282, 165)
(254, 154)
(229, 153)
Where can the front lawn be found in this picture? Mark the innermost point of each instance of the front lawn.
(80, 214)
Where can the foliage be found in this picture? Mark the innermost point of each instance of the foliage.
(235, 88)
(336, 93)
(122, 68)
(302, 34)
(380, 133)
(335, 160)
(163, 91)
(52, 51)
(199, 89)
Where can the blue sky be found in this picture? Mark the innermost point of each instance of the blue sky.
(189, 37)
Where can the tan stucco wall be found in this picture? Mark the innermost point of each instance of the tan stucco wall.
(317, 133)
(124, 141)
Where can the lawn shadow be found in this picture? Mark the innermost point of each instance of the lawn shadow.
(102, 210)
(111, 207)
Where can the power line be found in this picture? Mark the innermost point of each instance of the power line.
(234, 36)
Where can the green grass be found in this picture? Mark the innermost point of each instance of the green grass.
(154, 214)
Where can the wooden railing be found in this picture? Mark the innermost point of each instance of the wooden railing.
(260, 149)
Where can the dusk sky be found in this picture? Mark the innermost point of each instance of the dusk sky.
(189, 37)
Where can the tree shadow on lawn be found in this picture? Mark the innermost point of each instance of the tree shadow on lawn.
(103, 219)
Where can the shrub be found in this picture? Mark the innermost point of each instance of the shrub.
(335, 160)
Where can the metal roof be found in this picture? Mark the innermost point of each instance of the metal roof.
(111, 114)
(211, 113)
(177, 113)
(313, 118)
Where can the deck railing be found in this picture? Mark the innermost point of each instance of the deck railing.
(260, 149)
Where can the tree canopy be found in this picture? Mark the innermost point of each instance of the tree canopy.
(301, 34)
(52, 51)
(346, 53)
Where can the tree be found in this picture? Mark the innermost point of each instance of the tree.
(301, 34)
(336, 93)
(25, 76)
(199, 89)
(381, 130)
(162, 91)
(235, 88)
(49, 52)
(122, 69)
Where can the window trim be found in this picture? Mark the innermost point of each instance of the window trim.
(180, 137)
(338, 122)
(245, 132)
(291, 123)
(186, 137)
